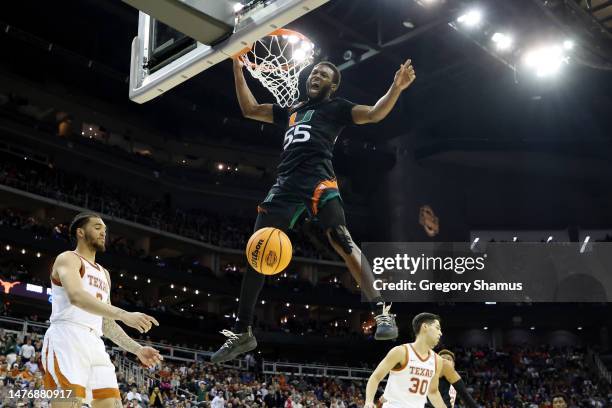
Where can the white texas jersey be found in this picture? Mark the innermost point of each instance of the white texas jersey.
(408, 386)
(95, 283)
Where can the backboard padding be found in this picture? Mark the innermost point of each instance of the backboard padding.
(146, 85)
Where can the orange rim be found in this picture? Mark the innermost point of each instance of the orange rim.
(277, 32)
(283, 67)
(286, 31)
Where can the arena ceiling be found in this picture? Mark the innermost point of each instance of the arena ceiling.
(463, 90)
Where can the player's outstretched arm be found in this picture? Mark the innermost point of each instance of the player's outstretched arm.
(394, 358)
(363, 114)
(147, 355)
(449, 372)
(248, 104)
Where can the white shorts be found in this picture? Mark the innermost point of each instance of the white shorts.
(75, 358)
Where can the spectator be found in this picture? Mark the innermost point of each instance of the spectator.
(32, 366)
(133, 394)
(3, 366)
(218, 401)
(289, 403)
(269, 400)
(156, 399)
(27, 350)
(10, 350)
(202, 393)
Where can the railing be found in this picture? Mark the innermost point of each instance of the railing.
(23, 327)
(133, 370)
(601, 368)
(313, 370)
(188, 355)
(130, 370)
(13, 326)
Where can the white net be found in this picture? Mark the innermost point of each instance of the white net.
(277, 60)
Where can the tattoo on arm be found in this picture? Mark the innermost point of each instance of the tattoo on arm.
(115, 333)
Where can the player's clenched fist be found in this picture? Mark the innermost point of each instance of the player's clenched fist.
(139, 321)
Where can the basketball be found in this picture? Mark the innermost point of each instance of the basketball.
(269, 251)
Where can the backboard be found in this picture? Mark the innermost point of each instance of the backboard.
(178, 39)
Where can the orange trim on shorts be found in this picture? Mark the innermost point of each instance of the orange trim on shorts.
(48, 382)
(79, 390)
(318, 191)
(405, 362)
(102, 393)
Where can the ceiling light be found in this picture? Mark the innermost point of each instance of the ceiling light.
(502, 41)
(470, 19)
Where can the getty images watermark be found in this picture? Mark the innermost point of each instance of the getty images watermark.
(410, 265)
(459, 272)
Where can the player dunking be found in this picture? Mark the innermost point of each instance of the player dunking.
(306, 181)
(74, 357)
(414, 371)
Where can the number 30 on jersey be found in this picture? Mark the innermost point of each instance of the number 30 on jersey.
(296, 134)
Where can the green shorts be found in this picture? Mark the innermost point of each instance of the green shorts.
(290, 196)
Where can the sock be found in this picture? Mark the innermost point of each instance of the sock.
(252, 283)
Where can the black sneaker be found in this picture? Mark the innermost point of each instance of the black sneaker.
(235, 345)
(386, 328)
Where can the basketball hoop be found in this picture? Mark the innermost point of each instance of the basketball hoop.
(277, 61)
